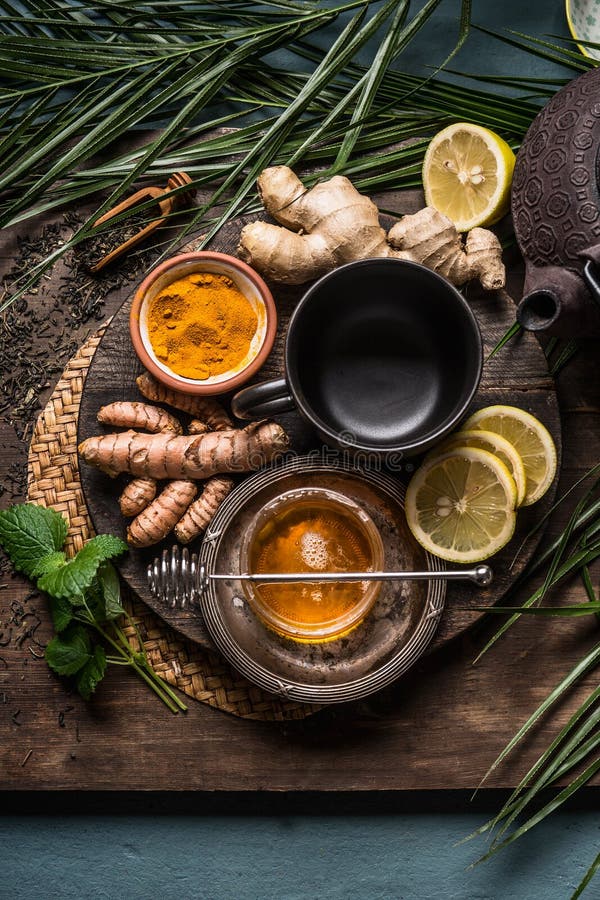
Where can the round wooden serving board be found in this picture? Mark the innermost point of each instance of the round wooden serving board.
(517, 375)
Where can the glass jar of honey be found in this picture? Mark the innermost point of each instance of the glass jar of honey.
(312, 530)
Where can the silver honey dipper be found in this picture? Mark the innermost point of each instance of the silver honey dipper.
(176, 577)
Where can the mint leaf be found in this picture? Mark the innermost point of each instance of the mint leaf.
(28, 532)
(48, 563)
(107, 546)
(77, 575)
(111, 591)
(103, 597)
(62, 613)
(92, 673)
(69, 652)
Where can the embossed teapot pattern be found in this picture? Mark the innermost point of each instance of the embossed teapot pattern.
(556, 212)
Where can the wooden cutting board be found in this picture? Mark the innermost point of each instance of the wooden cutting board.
(517, 375)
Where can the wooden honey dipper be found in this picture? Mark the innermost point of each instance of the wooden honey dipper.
(166, 203)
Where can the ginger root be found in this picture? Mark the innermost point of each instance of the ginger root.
(182, 457)
(484, 253)
(199, 513)
(332, 224)
(430, 238)
(205, 409)
(324, 227)
(157, 520)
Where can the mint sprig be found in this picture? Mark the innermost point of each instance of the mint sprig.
(31, 533)
(85, 599)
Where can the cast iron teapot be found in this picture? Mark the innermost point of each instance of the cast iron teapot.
(556, 212)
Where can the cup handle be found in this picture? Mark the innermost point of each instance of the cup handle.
(259, 401)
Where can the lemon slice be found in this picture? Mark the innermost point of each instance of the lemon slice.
(493, 443)
(467, 174)
(532, 441)
(461, 506)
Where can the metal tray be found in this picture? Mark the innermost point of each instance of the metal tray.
(389, 640)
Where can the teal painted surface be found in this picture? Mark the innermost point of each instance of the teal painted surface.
(409, 857)
(275, 857)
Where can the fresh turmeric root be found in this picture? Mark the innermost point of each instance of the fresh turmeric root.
(212, 447)
(131, 414)
(158, 519)
(332, 224)
(205, 409)
(136, 496)
(201, 455)
(198, 427)
(143, 416)
(199, 514)
(196, 457)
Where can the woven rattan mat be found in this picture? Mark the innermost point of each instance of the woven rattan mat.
(53, 480)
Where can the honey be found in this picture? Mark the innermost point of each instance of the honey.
(313, 531)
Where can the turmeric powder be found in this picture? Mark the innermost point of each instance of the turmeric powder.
(202, 325)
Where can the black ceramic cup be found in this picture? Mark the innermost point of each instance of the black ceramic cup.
(381, 356)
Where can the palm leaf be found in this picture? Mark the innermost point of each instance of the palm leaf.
(572, 610)
(568, 352)
(510, 333)
(583, 666)
(587, 878)
(564, 540)
(574, 563)
(544, 49)
(586, 510)
(583, 519)
(352, 38)
(389, 48)
(546, 810)
(206, 86)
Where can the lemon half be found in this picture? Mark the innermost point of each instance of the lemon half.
(461, 506)
(467, 174)
(532, 441)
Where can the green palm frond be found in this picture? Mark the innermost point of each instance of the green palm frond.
(174, 69)
(80, 78)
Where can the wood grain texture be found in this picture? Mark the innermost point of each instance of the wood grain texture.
(519, 376)
(440, 727)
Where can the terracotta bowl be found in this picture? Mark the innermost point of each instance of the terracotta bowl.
(248, 282)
